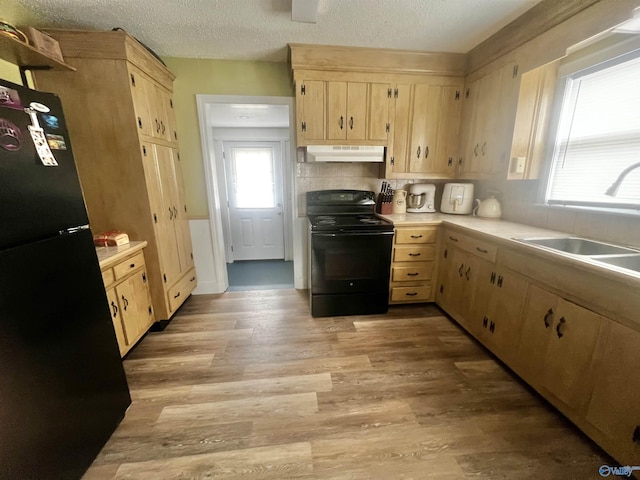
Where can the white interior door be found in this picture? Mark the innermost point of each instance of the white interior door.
(254, 189)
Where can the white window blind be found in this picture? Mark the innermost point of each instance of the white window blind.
(598, 137)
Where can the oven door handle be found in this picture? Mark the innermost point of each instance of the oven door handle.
(351, 234)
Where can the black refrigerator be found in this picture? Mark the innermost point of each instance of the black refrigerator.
(63, 390)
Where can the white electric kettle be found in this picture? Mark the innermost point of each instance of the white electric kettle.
(489, 208)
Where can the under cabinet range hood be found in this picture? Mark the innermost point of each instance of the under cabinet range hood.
(344, 153)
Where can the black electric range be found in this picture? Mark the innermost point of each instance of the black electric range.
(350, 253)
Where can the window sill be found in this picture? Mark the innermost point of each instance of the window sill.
(620, 212)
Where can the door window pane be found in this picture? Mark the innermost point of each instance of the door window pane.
(253, 177)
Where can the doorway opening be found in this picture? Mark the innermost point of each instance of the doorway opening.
(250, 189)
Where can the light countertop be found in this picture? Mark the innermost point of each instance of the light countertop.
(504, 232)
(110, 255)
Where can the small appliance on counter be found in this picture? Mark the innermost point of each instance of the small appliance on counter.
(421, 198)
(457, 198)
(399, 201)
(489, 208)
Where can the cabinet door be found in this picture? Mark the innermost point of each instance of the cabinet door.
(504, 310)
(569, 354)
(538, 323)
(446, 150)
(163, 113)
(336, 110)
(378, 115)
(401, 121)
(615, 400)
(141, 90)
(467, 128)
(116, 318)
(135, 306)
(421, 100)
(356, 111)
(172, 132)
(310, 110)
(479, 315)
(181, 220)
(460, 285)
(487, 95)
(166, 168)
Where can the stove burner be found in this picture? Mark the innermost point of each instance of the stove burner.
(370, 221)
(325, 220)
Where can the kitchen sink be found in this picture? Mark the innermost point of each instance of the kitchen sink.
(578, 246)
(630, 262)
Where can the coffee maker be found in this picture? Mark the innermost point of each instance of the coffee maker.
(421, 198)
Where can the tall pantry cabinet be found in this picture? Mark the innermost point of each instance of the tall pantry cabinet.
(119, 108)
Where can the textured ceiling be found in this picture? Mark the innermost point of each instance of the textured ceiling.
(261, 29)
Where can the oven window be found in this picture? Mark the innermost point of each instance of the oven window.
(350, 265)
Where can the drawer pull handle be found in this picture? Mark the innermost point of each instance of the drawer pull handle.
(192, 279)
(176, 295)
(413, 274)
(414, 254)
(559, 332)
(485, 321)
(466, 274)
(636, 434)
(453, 239)
(461, 269)
(492, 327)
(492, 280)
(132, 265)
(482, 250)
(144, 277)
(500, 278)
(412, 294)
(416, 236)
(115, 309)
(547, 316)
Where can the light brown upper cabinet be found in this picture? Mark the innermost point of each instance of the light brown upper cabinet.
(486, 121)
(425, 130)
(535, 98)
(379, 113)
(310, 102)
(346, 111)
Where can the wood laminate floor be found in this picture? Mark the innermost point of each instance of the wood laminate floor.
(247, 385)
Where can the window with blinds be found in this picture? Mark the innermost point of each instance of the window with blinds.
(598, 137)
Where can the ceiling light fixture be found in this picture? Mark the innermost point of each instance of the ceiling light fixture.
(305, 11)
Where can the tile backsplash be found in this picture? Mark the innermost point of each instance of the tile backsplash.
(519, 200)
(357, 176)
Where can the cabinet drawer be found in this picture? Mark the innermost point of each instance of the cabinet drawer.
(108, 277)
(411, 294)
(418, 253)
(418, 271)
(416, 235)
(129, 265)
(477, 247)
(182, 289)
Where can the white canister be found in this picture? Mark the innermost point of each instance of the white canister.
(399, 201)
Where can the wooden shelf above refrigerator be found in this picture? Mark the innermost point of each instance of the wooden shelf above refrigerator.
(28, 58)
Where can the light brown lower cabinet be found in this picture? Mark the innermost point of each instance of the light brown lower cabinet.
(412, 264)
(556, 346)
(129, 300)
(614, 407)
(584, 363)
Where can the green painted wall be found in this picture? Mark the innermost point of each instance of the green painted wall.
(16, 14)
(215, 77)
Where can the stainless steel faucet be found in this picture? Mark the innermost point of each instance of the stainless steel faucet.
(612, 191)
